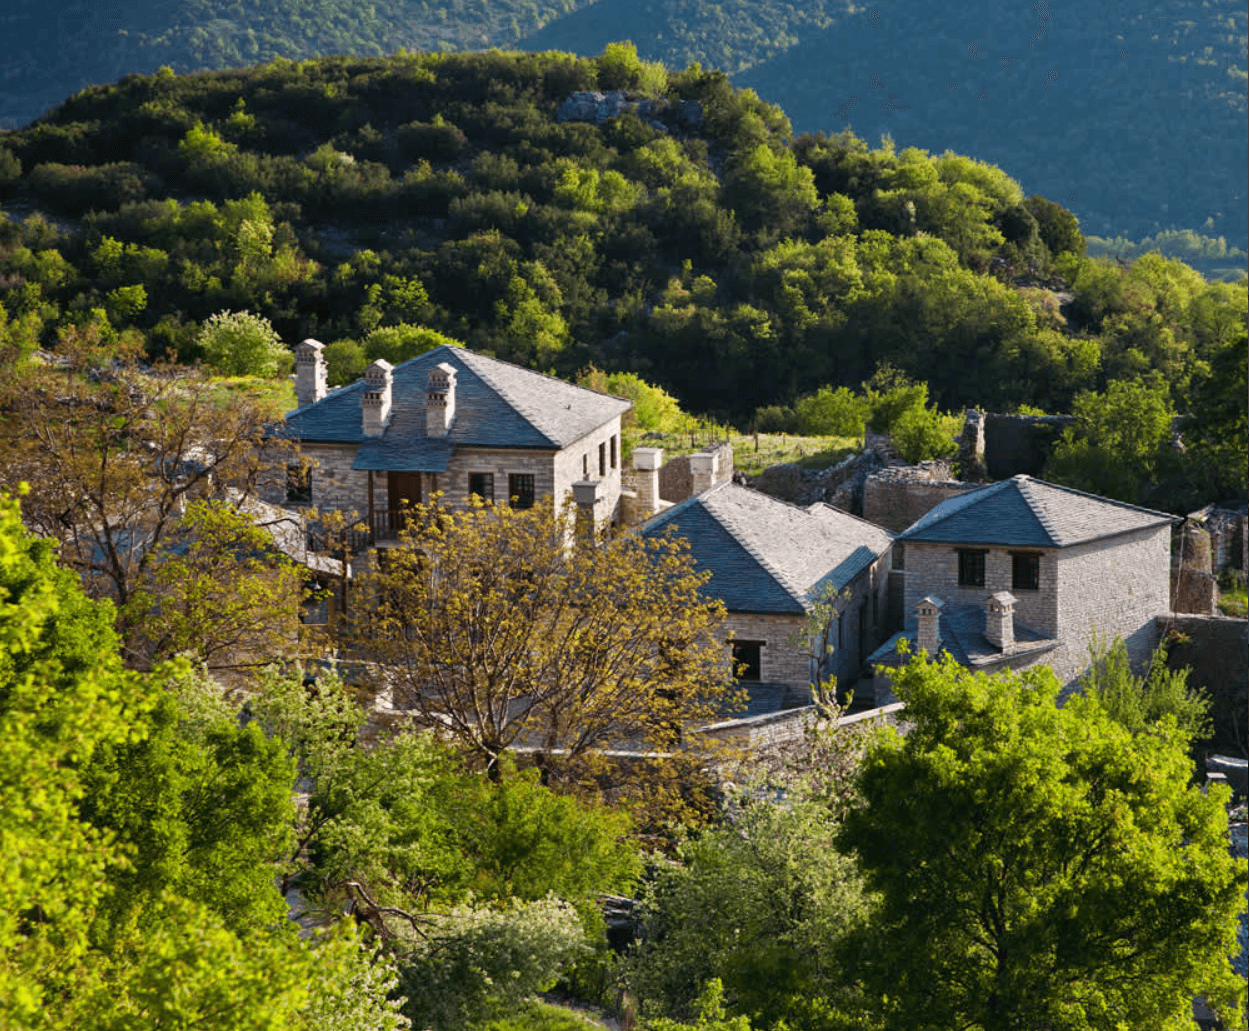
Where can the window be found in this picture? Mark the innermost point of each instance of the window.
(602, 459)
(482, 484)
(897, 558)
(970, 567)
(1025, 570)
(613, 451)
(748, 660)
(585, 466)
(299, 484)
(520, 490)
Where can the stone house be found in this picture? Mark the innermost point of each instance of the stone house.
(769, 561)
(454, 422)
(1024, 572)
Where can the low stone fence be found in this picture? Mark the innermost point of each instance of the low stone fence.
(1216, 649)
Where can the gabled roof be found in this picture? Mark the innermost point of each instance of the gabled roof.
(1025, 512)
(497, 404)
(766, 555)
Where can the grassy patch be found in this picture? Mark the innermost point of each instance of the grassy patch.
(274, 396)
(1233, 594)
(752, 455)
(541, 1016)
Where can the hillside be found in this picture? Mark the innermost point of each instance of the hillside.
(1140, 90)
(353, 199)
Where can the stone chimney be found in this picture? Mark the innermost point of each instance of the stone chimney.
(440, 400)
(309, 372)
(585, 493)
(375, 401)
(999, 620)
(929, 610)
(646, 463)
(702, 471)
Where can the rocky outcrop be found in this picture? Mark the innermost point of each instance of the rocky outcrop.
(600, 107)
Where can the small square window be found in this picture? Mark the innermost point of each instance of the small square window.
(1025, 571)
(299, 484)
(970, 567)
(482, 484)
(520, 490)
(748, 660)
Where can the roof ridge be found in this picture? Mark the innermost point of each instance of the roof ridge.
(1102, 499)
(1035, 506)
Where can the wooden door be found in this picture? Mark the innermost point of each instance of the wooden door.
(402, 488)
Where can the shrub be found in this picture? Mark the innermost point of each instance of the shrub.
(239, 343)
(399, 343)
(918, 435)
(775, 419)
(831, 413)
(345, 362)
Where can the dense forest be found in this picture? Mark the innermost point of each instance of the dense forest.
(1101, 109)
(356, 199)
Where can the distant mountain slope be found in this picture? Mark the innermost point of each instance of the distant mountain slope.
(1143, 130)
(50, 50)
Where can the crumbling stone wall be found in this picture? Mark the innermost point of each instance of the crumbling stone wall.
(897, 496)
(1194, 586)
(676, 477)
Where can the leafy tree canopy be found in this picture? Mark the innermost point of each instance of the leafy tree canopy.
(1040, 864)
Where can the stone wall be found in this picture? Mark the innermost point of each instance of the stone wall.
(1216, 649)
(1020, 443)
(897, 496)
(933, 569)
(780, 661)
(676, 479)
(1119, 585)
(756, 732)
(1193, 585)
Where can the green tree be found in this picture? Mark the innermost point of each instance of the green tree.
(1040, 866)
(1142, 702)
(1120, 441)
(219, 590)
(762, 903)
(498, 631)
(239, 343)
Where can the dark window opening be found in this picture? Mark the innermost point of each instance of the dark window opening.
(748, 660)
(1025, 571)
(520, 490)
(897, 559)
(299, 485)
(482, 484)
(602, 459)
(970, 568)
(613, 451)
(585, 466)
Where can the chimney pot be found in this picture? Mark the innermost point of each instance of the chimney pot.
(310, 382)
(999, 620)
(440, 400)
(375, 402)
(929, 610)
(646, 464)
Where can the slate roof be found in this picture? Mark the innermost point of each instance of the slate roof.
(1025, 512)
(961, 633)
(766, 555)
(497, 405)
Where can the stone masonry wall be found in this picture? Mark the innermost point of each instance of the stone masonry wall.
(572, 464)
(1118, 585)
(335, 485)
(895, 497)
(933, 569)
(780, 662)
(1020, 443)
